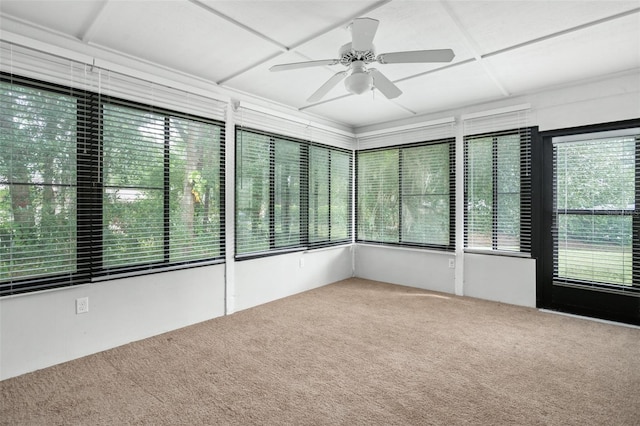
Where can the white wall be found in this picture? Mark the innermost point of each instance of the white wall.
(500, 278)
(41, 329)
(265, 279)
(615, 98)
(424, 269)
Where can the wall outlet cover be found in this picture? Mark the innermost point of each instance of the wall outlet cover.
(82, 305)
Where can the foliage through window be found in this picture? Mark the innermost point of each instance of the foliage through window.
(141, 206)
(290, 194)
(595, 216)
(406, 195)
(329, 195)
(37, 183)
(91, 186)
(498, 191)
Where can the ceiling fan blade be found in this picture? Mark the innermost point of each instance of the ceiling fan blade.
(306, 64)
(362, 32)
(416, 56)
(384, 85)
(327, 86)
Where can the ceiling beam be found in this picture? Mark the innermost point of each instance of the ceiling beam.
(564, 32)
(89, 31)
(240, 25)
(473, 46)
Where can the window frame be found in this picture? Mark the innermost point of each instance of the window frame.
(330, 240)
(557, 213)
(89, 185)
(166, 263)
(305, 242)
(526, 136)
(401, 242)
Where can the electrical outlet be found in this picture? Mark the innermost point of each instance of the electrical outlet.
(302, 262)
(82, 305)
(452, 263)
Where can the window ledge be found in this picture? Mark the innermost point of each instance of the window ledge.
(408, 248)
(499, 253)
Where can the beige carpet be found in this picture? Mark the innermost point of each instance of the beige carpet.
(353, 353)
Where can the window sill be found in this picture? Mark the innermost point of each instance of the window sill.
(499, 253)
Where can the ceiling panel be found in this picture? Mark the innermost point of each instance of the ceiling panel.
(496, 25)
(69, 17)
(600, 50)
(299, 84)
(179, 35)
(290, 22)
(467, 84)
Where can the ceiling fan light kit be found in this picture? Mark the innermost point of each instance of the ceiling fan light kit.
(359, 81)
(360, 52)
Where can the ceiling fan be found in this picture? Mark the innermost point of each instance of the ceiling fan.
(357, 55)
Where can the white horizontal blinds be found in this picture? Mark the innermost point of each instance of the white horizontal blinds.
(319, 194)
(426, 178)
(271, 193)
(196, 153)
(289, 195)
(406, 195)
(340, 184)
(133, 186)
(101, 183)
(117, 85)
(329, 195)
(38, 191)
(253, 192)
(161, 188)
(292, 127)
(595, 202)
(54, 70)
(411, 134)
(497, 214)
(377, 196)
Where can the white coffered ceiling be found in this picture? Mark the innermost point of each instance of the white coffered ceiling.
(502, 48)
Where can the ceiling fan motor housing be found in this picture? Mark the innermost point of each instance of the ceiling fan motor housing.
(348, 55)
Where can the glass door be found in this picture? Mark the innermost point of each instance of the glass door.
(593, 252)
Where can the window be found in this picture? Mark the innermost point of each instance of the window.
(92, 186)
(38, 192)
(133, 190)
(290, 194)
(329, 195)
(406, 195)
(162, 192)
(595, 216)
(498, 191)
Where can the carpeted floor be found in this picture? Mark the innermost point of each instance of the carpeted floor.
(355, 352)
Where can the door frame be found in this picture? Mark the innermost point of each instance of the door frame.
(596, 302)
